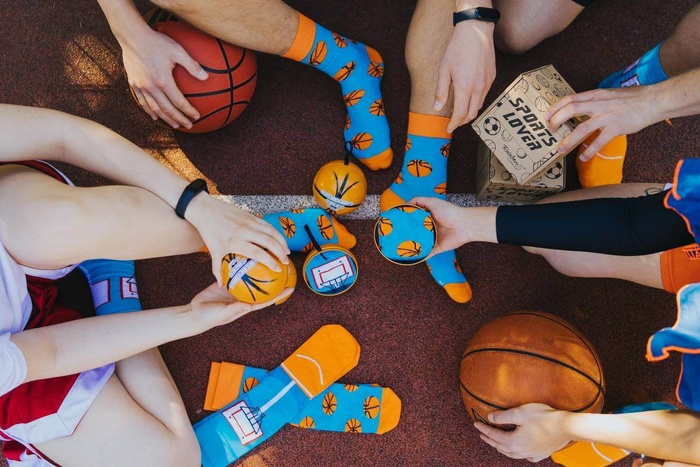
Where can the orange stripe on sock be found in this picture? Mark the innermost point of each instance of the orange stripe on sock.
(211, 386)
(306, 33)
(433, 126)
(680, 267)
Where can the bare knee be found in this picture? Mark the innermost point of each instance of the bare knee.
(557, 259)
(512, 38)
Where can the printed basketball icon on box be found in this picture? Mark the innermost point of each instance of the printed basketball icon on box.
(244, 421)
(514, 127)
(495, 183)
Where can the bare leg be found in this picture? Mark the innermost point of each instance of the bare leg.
(645, 270)
(138, 419)
(46, 224)
(526, 23)
(428, 36)
(264, 25)
(680, 52)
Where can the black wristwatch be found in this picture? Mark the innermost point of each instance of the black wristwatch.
(192, 190)
(490, 15)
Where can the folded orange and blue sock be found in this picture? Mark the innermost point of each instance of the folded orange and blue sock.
(355, 408)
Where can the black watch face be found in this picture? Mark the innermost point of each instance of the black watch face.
(488, 13)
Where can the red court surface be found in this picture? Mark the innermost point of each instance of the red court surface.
(62, 55)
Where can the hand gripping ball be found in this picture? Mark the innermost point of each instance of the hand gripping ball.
(233, 73)
(405, 234)
(340, 187)
(251, 282)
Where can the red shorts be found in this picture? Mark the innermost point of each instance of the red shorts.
(43, 410)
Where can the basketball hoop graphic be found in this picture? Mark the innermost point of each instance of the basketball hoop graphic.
(329, 269)
(245, 421)
(333, 274)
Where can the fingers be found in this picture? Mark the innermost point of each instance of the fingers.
(191, 65)
(425, 203)
(175, 96)
(268, 229)
(577, 136)
(261, 256)
(442, 93)
(273, 246)
(175, 118)
(141, 99)
(460, 111)
(495, 434)
(505, 417)
(155, 107)
(597, 144)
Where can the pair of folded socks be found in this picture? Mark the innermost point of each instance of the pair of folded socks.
(289, 393)
(354, 408)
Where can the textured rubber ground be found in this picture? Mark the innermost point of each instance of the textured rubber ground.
(411, 334)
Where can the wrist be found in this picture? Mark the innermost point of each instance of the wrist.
(130, 36)
(565, 423)
(198, 207)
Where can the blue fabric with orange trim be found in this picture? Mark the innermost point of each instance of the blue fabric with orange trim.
(684, 335)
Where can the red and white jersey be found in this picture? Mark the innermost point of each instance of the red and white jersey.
(15, 310)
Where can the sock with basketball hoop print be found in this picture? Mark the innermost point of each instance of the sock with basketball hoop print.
(424, 173)
(355, 408)
(241, 426)
(359, 70)
(324, 227)
(113, 285)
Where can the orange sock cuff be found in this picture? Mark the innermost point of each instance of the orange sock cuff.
(680, 267)
(432, 126)
(303, 41)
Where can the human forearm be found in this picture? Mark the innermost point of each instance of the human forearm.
(125, 21)
(80, 345)
(670, 435)
(678, 96)
(466, 4)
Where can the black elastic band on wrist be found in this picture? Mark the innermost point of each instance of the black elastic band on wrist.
(192, 190)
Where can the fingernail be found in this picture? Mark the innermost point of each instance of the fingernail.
(560, 148)
(583, 158)
(490, 417)
(176, 126)
(203, 74)
(437, 105)
(196, 116)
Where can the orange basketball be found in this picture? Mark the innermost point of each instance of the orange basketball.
(232, 70)
(526, 357)
(251, 282)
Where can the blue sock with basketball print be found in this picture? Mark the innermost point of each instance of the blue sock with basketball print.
(324, 227)
(113, 285)
(424, 173)
(643, 72)
(355, 408)
(359, 70)
(255, 416)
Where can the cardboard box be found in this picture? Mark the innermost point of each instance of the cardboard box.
(494, 182)
(514, 127)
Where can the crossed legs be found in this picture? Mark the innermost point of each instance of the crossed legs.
(138, 418)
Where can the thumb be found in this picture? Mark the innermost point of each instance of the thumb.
(191, 65)
(507, 417)
(423, 202)
(442, 92)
